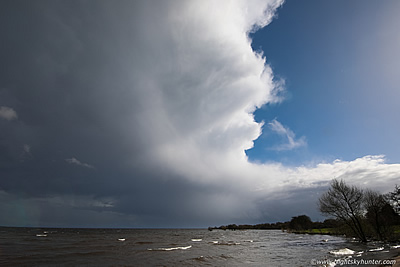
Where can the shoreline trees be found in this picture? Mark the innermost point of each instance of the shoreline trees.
(394, 199)
(345, 203)
(367, 213)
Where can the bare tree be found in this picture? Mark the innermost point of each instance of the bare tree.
(345, 203)
(374, 204)
(394, 199)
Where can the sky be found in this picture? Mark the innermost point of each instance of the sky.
(193, 113)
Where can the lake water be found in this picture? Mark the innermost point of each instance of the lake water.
(165, 247)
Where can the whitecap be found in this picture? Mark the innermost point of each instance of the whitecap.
(376, 249)
(41, 235)
(121, 239)
(174, 248)
(397, 246)
(197, 240)
(183, 248)
(343, 251)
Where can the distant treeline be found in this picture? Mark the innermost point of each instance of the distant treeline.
(298, 223)
(361, 213)
(261, 226)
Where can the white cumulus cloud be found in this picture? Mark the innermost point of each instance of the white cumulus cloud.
(202, 95)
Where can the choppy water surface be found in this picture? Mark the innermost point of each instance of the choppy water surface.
(164, 247)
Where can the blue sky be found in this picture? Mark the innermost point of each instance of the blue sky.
(340, 62)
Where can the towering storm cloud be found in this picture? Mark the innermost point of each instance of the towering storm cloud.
(139, 113)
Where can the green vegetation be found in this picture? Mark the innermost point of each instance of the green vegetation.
(323, 231)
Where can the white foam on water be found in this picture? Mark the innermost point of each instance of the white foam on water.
(197, 240)
(397, 246)
(343, 251)
(376, 249)
(121, 239)
(41, 235)
(170, 249)
(250, 241)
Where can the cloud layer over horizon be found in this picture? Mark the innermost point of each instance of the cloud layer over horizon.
(139, 114)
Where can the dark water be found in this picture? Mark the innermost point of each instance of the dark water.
(163, 247)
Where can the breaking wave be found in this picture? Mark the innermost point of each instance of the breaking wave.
(170, 249)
